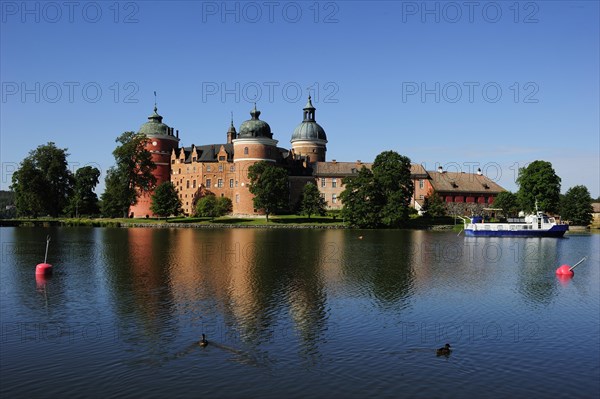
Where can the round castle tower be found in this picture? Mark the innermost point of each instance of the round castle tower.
(309, 139)
(254, 143)
(160, 144)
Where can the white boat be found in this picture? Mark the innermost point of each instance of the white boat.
(536, 225)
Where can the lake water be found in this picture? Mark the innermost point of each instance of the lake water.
(297, 313)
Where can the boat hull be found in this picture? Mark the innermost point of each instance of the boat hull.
(556, 231)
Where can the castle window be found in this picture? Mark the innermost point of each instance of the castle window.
(333, 199)
(220, 183)
(194, 169)
(208, 182)
(220, 167)
(421, 183)
(236, 183)
(193, 159)
(221, 157)
(322, 182)
(230, 183)
(245, 150)
(334, 182)
(187, 170)
(421, 197)
(172, 162)
(179, 171)
(193, 183)
(187, 184)
(237, 198)
(232, 168)
(208, 168)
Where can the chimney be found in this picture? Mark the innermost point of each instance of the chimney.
(479, 172)
(177, 133)
(358, 162)
(440, 169)
(333, 161)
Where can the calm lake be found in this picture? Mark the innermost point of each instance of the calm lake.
(297, 313)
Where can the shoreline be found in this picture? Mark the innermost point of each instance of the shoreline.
(163, 225)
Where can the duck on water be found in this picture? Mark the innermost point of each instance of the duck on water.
(444, 351)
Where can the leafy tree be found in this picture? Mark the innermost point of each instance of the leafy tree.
(7, 202)
(576, 206)
(363, 200)
(165, 201)
(114, 202)
(391, 172)
(269, 184)
(508, 202)
(212, 207)
(43, 182)
(207, 206)
(224, 206)
(83, 200)
(132, 174)
(538, 182)
(433, 205)
(312, 202)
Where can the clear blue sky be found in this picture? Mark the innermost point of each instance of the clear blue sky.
(486, 84)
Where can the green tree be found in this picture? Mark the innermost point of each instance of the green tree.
(508, 202)
(224, 206)
(165, 200)
(43, 182)
(83, 200)
(391, 172)
(538, 182)
(212, 207)
(576, 206)
(132, 173)
(269, 184)
(7, 205)
(115, 200)
(207, 206)
(312, 202)
(362, 199)
(433, 205)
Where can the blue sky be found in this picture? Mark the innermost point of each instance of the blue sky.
(460, 84)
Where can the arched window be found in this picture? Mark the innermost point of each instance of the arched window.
(245, 150)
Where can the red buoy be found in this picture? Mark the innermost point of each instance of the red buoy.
(43, 269)
(564, 270)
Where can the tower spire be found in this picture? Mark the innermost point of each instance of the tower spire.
(155, 107)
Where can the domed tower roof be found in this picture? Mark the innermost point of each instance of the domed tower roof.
(155, 127)
(309, 129)
(255, 127)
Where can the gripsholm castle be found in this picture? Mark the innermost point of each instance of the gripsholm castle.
(222, 169)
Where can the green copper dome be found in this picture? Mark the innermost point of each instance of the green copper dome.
(309, 129)
(154, 126)
(255, 127)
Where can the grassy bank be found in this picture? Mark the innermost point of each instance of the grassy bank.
(284, 220)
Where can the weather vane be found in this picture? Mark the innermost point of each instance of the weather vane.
(155, 99)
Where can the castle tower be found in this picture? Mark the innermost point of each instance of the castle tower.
(253, 144)
(162, 141)
(309, 139)
(231, 133)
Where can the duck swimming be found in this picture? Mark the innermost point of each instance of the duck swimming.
(445, 351)
(203, 342)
